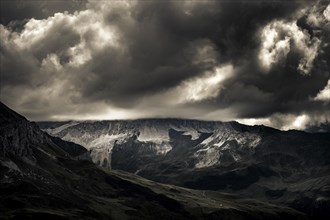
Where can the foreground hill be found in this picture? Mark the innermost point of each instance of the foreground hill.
(290, 168)
(46, 178)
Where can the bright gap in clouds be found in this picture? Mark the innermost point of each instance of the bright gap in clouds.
(106, 113)
(300, 122)
(288, 121)
(279, 37)
(324, 94)
(205, 87)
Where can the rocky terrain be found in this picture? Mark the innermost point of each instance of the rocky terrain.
(42, 177)
(288, 168)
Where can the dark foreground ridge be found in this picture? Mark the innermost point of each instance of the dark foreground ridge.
(42, 178)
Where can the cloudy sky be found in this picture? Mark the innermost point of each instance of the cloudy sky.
(258, 62)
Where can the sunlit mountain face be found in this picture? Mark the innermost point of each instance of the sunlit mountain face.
(164, 109)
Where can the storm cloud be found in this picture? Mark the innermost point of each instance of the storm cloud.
(255, 62)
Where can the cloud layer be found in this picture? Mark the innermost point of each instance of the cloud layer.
(258, 62)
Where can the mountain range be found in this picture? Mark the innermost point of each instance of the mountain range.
(205, 170)
(289, 168)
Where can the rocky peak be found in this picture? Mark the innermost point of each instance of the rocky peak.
(20, 137)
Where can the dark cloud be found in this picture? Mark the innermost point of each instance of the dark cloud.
(163, 37)
(203, 59)
(13, 11)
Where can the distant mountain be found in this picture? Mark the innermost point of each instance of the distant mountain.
(42, 177)
(289, 168)
(321, 128)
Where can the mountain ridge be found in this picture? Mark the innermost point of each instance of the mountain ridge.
(53, 184)
(256, 161)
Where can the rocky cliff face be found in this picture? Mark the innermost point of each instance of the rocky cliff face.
(19, 138)
(17, 135)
